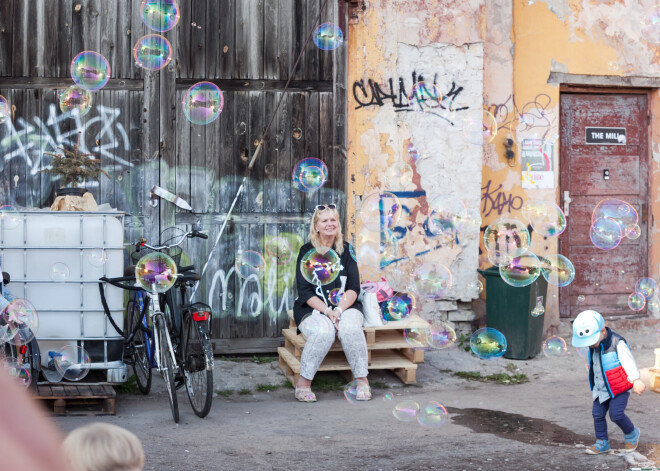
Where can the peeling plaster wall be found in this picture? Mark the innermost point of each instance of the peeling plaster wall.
(441, 41)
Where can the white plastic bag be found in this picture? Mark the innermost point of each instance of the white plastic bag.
(370, 309)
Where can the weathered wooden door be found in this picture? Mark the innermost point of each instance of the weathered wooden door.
(593, 168)
(138, 129)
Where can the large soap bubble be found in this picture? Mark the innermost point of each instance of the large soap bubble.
(250, 263)
(545, 217)
(605, 233)
(432, 415)
(75, 100)
(4, 109)
(622, 212)
(554, 347)
(309, 174)
(19, 322)
(646, 286)
(317, 267)
(20, 371)
(508, 237)
(328, 36)
(380, 211)
(395, 308)
(442, 335)
(479, 127)
(90, 70)
(152, 52)
(488, 343)
(432, 280)
(160, 15)
(406, 411)
(203, 103)
(521, 271)
(636, 301)
(557, 269)
(73, 362)
(156, 271)
(446, 215)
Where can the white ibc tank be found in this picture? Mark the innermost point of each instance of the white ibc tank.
(55, 260)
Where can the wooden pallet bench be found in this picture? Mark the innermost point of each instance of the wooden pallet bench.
(83, 399)
(387, 349)
(655, 372)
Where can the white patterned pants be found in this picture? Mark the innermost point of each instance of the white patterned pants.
(320, 334)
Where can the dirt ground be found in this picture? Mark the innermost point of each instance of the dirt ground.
(542, 424)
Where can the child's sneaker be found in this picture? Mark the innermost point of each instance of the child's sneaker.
(601, 446)
(631, 440)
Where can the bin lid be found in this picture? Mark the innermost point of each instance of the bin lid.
(490, 271)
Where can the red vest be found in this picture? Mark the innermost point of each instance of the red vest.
(615, 376)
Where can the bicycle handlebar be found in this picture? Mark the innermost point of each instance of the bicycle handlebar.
(189, 235)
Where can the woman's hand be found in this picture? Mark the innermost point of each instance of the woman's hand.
(334, 316)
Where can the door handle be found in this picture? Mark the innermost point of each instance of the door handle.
(567, 202)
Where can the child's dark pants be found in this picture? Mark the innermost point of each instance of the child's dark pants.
(617, 408)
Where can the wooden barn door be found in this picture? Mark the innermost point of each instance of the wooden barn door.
(595, 166)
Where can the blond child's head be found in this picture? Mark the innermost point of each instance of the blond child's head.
(103, 447)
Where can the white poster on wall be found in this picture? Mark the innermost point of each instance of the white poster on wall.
(536, 158)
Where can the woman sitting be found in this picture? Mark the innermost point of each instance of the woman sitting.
(320, 321)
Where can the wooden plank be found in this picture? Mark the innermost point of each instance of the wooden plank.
(312, 144)
(249, 39)
(151, 149)
(656, 351)
(226, 46)
(64, 34)
(51, 38)
(137, 30)
(32, 83)
(271, 12)
(20, 51)
(248, 85)
(284, 156)
(298, 138)
(285, 27)
(183, 154)
(6, 37)
(121, 40)
(198, 45)
(311, 54)
(325, 147)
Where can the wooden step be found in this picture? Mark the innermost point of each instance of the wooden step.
(393, 360)
(655, 379)
(83, 399)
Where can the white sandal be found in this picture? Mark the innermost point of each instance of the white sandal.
(363, 391)
(305, 395)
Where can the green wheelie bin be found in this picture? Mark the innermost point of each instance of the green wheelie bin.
(509, 310)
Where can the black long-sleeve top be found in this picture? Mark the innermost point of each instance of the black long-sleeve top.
(307, 290)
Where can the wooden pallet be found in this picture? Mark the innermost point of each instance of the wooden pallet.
(386, 346)
(83, 399)
(655, 372)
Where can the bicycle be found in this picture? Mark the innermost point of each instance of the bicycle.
(24, 350)
(173, 339)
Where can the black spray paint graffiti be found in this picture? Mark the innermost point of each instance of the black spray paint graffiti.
(494, 199)
(422, 96)
(532, 115)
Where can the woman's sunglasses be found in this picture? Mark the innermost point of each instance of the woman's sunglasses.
(323, 207)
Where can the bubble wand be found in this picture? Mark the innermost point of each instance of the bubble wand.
(257, 151)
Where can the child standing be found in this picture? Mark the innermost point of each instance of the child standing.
(612, 373)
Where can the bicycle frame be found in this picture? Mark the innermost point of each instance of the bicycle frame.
(155, 312)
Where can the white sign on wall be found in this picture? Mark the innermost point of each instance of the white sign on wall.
(536, 158)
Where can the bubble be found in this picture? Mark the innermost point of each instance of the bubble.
(4, 109)
(396, 308)
(507, 237)
(651, 26)
(580, 299)
(20, 371)
(431, 280)
(554, 347)
(160, 15)
(446, 215)
(317, 267)
(432, 415)
(475, 288)
(279, 249)
(521, 271)
(633, 231)
(545, 217)
(328, 36)
(621, 212)
(203, 103)
(75, 100)
(351, 391)
(557, 270)
(479, 127)
(498, 258)
(653, 304)
(442, 335)
(612, 66)
(335, 296)
(97, 257)
(647, 287)
(59, 272)
(538, 311)
(488, 343)
(387, 397)
(152, 52)
(398, 176)
(636, 301)
(351, 250)
(10, 218)
(316, 326)
(19, 322)
(90, 70)
(380, 211)
(73, 362)
(413, 155)
(241, 128)
(249, 263)
(605, 234)
(417, 336)
(406, 411)
(156, 271)
(309, 174)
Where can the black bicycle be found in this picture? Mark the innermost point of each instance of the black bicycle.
(181, 348)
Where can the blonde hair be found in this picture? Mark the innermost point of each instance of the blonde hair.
(314, 236)
(103, 447)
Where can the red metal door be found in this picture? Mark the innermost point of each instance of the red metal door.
(603, 279)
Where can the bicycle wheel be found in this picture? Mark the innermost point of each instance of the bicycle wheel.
(140, 347)
(199, 378)
(166, 366)
(24, 356)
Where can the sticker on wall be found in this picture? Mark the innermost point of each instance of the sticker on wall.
(536, 157)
